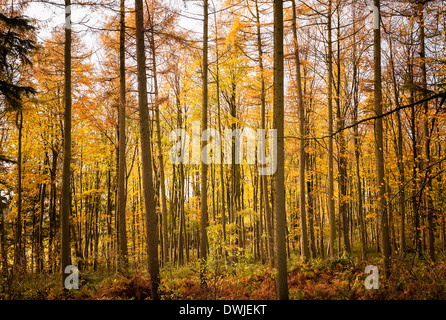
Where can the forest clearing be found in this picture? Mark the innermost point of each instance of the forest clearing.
(223, 150)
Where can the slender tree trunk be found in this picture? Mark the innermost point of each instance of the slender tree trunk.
(379, 145)
(427, 140)
(123, 249)
(146, 156)
(3, 252)
(52, 209)
(399, 152)
(416, 162)
(204, 167)
(66, 175)
(302, 143)
(331, 206)
(264, 178)
(40, 249)
(19, 266)
(279, 183)
(311, 206)
(360, 206)
(342, 161)
(160, 148)
(222, 181)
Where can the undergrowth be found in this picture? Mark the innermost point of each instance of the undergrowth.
(334, 279)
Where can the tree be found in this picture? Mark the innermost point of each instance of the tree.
(163, 199)
(427, 138)
(279, 182)
(146, 155)
(302, 154)
(379, 145)
(204, 166)
(356, 136)
(331, 207)
(66, 170)
(16, 47)
(123, 251)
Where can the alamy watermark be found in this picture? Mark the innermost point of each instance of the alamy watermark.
(187, 149)
(372, 281)
(72, 280)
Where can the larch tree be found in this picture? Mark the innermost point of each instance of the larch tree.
(122, 237)
(379, 145)
(204, 165)
(331, 204)
(427, 135)
(305, 252)
(66, 170)
(146, 156)
(280, 256)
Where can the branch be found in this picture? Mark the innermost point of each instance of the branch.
(438, 95)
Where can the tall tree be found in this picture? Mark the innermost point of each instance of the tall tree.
(264, 178)
(146, 155)
(379, 145)
(331, 206)
(66, 169)
(302, 143)
(280, 256)
(204, 167)
(19, 256)
(342, 154)
(15, 49)
(122, 230)
(165, 240)
(355, 93)
(427, 138)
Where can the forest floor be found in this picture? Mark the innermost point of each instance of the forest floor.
(341, 278)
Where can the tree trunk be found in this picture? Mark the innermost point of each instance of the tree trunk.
(279, 185)
(66, 175)
(342, 161)
(379, 145)
(331, 206)
(122, 236)
(3, 252)
(427, 140)
(160, 148)
(19, 266)
(360, 206)
(302, 143)
(399, 152)
(222, 181)
(264, 178)
(204, 167)
(146, 156)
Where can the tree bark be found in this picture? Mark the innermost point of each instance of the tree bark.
(279, 185)
(342, 161)
(355, 83)
(399, 152)
(159, 144)
(3, 252)
(305, 253)
(264, 178)
(331, 205)
(427, 140)
(204, 167)
(123, 249)
(146, 156)
(66, 175)
(18, 243)
(379, 145)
